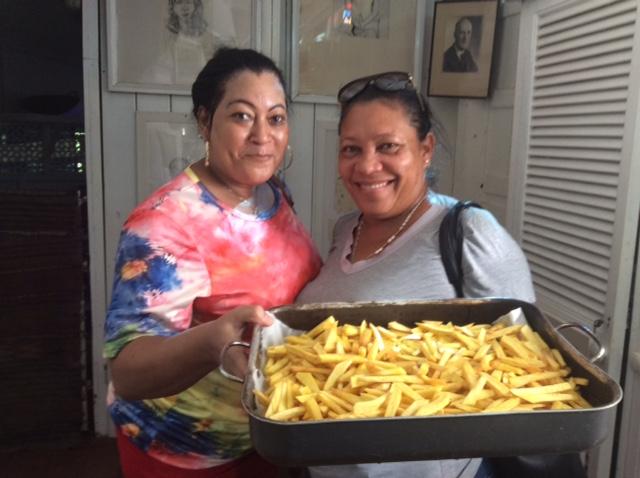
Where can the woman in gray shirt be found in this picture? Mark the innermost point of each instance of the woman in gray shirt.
(388, 250)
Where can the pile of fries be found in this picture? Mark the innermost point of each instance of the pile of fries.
(348, 371)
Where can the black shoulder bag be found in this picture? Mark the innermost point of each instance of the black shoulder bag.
(451, 237)
(569, 465)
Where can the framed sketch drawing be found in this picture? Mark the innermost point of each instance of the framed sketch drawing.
(166, 143)
(462, 48)
(335, 41)
(159, 46)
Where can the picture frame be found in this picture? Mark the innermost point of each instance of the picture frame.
(166, 143)
(336, 41)
(462, 48)
(159, 46)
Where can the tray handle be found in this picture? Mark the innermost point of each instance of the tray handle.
(602, 351)
(223, 354)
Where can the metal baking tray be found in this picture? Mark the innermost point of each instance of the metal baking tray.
(328, 442)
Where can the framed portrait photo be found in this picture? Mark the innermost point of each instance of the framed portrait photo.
(159, 46)
(166, 143)
(336, 41)
(462, 48)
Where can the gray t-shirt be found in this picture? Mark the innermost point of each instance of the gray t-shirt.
(411, 268)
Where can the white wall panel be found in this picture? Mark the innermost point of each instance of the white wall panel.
(181, 104)
(299, 175)
(482, 155)
(147, 102)
(326, 183)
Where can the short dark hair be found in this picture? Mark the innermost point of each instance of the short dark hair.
(416, 107)
(209, 88)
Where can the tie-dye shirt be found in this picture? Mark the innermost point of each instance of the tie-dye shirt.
(179, 246)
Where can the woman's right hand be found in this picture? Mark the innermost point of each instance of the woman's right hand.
(154, 366)
(230, 328)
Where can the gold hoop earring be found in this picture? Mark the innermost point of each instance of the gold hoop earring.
(206, 153)
(288, 160)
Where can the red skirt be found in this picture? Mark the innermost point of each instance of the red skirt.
(137, 464)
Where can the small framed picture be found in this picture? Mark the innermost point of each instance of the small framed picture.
(462, 48)
(166, 144)
(159, 46)
(336, 41)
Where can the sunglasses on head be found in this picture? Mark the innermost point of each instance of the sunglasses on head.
(389, 81)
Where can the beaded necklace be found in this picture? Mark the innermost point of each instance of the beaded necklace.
(390, 239)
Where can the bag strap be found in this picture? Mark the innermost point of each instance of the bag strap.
(451, 237)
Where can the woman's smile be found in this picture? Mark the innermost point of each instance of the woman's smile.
(373, 185)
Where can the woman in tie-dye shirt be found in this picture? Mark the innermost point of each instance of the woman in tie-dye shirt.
(198, 262)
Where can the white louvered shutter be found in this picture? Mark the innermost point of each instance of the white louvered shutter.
(575, 167)
(579, 90)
